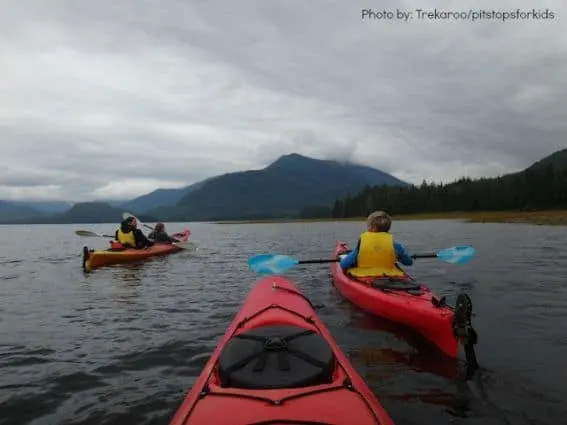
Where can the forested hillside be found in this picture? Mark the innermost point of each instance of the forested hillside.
(536, 188)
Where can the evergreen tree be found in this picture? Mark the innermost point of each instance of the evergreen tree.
(536, 188)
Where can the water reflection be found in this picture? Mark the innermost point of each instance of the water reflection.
(420, 357)
(146, 330)
(128, 275)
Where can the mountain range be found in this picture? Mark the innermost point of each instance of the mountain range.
(292, 186)
(287, 187)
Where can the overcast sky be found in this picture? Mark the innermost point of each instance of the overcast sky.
(111, 99)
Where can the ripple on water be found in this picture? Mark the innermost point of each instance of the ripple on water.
(124, 344)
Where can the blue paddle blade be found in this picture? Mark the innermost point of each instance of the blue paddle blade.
(457, 254)
(267, 264)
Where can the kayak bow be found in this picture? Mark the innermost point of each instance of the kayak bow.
(277, 363)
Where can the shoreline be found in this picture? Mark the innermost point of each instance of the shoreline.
(548, 217)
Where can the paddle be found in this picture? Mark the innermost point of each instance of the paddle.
(180, 244)
(278, 264)
(454, 255)
(92, 234)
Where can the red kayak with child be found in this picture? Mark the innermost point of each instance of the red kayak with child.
(371, 278)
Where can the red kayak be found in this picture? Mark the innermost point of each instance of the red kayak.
(277, 363)
(403, 301)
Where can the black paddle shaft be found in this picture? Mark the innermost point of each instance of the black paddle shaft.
(336, 260)
(432, 255)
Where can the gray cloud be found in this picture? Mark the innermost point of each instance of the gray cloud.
(113, 99)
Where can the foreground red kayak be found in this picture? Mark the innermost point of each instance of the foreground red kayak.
(277, 363)
(403, 301)
(93, 259)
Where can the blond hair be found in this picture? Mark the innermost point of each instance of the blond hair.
(378, 221)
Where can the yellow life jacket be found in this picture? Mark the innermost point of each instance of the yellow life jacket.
(376, 256)
(126, 239)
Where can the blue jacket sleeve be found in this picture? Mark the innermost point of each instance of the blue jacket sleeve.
(402, 254)
(350, 260)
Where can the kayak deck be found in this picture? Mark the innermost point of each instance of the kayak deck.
(278, 363)
(93, 259)
(416, 307)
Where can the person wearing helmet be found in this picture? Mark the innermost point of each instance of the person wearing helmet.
(129, 236)
(376, 252)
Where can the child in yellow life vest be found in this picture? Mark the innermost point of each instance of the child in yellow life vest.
(376, 253)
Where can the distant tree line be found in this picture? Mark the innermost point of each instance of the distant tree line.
(535, 188)
(318, 211)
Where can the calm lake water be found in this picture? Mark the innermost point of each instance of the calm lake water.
(123, 345)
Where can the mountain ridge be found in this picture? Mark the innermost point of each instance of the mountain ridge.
(282, 188)
(167, 197)
(315, 180)
(287, 174)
